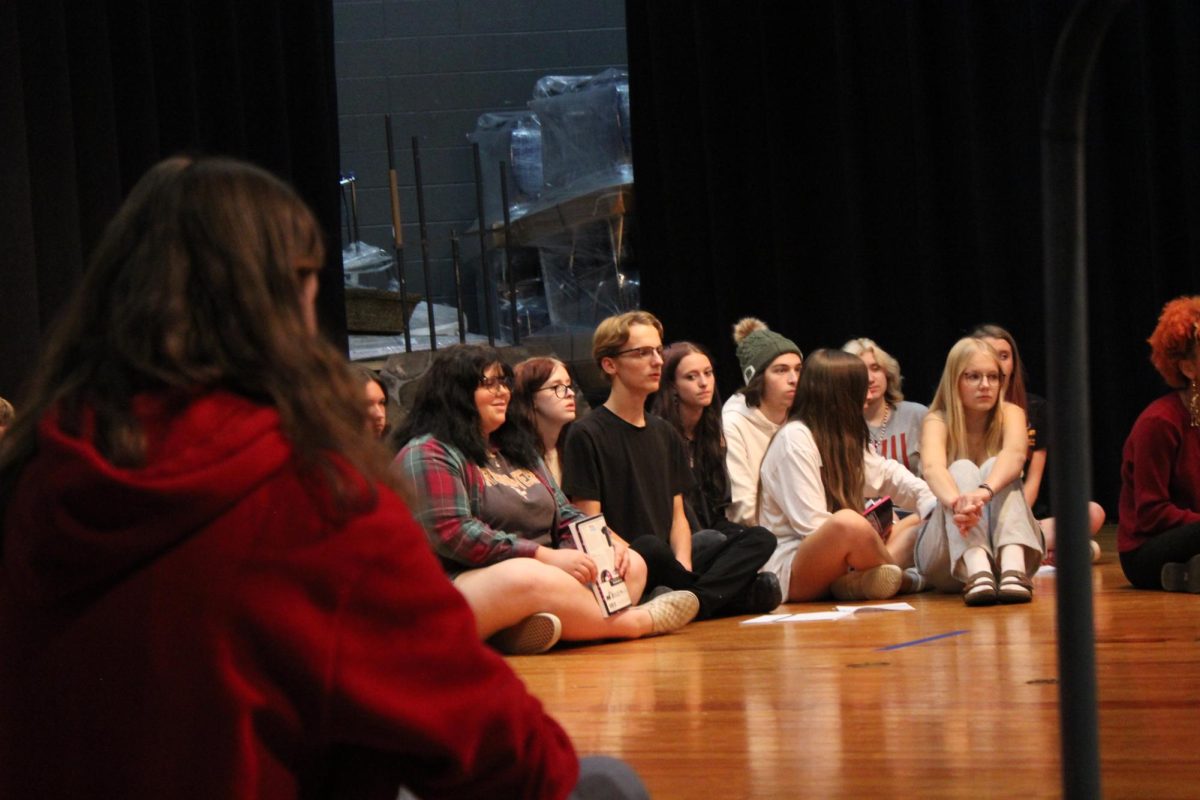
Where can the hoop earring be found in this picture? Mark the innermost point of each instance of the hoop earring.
(1194, 404)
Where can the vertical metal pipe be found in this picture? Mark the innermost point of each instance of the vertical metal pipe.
(508, 267)
(1064, 120)
(485, 269)
(397, 231)
(416, 148)
(456, 259)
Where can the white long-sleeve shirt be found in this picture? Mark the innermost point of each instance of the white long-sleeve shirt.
(793, 494)
(747, 434)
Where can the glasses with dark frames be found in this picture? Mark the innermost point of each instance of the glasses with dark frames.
(495, 383)
(561, 390)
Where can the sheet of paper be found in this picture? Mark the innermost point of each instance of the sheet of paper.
(877, 607)
(764, 619)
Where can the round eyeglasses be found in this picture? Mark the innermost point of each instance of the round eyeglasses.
(561, 390)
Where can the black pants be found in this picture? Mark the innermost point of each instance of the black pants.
(722, 568)
(1143, 567)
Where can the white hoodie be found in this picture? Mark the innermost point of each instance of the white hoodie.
(747, 434)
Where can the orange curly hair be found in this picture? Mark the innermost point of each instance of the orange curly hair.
(1174, 338)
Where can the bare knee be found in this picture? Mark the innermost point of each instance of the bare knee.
(1096, 517)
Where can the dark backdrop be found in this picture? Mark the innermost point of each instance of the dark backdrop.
(872, 169)
(94, 93)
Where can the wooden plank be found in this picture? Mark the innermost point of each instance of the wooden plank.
(822, 710)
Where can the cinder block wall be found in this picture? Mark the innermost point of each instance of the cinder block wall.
(436, 65)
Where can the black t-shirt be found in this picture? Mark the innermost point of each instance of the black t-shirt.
(1039, 439)
(634, 472)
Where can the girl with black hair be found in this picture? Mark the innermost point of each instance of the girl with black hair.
(815, 476)
(496, 518)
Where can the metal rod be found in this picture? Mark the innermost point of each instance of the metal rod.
(456, 259)
(508, 268)
(484, 268)
(397, 231)
(1064, 118)
(416, 148)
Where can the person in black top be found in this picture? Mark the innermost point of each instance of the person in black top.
(633, 467)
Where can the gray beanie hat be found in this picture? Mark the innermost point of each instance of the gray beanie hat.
(758, 346)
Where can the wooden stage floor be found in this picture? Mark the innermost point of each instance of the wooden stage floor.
(943, 701)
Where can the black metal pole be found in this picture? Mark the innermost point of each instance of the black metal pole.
(508, 268)
(424, 241)
(397, 230)
(1064, 119)
(456, 259)
(485, 269)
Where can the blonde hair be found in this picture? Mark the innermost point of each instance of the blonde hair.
(612, 333)
(891, 367)
(947, 403)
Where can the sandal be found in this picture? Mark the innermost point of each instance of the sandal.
(980, 589)
(1015, 587)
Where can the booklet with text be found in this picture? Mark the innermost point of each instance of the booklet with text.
(591, 536)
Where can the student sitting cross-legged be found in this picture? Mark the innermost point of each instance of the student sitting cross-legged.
(495, 517)
(815, 476)
(633, 467)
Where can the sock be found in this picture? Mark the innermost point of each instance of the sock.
(1012, 556)
(976, 560)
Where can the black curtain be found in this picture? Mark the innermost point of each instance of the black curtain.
(873, 169)
(95, 93)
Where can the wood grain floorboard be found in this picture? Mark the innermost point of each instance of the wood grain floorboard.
(824, 709)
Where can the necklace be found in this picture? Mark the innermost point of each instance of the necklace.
(877, 438)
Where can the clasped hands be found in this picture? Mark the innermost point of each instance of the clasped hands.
(968, 508)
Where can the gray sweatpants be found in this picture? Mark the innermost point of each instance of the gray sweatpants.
(1005, 520)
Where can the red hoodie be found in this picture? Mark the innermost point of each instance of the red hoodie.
(201, 627)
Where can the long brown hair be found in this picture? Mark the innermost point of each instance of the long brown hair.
(708, 444)
(528, 377)
(194, 287)
(947, 402)
(829, 400)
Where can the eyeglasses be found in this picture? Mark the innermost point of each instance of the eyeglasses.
(561, 390)
(640, 352)
(495, 383)
(976, 378)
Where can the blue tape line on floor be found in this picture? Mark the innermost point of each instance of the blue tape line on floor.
(922, 641)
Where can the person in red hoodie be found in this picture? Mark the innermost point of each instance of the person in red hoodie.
(207, 587)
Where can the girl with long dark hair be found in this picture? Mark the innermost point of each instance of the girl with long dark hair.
(200, 545)
(496, 518)
(983, 540)
(543, 401)
(815, 476)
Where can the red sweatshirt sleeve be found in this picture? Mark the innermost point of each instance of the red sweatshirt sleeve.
(1151, 460)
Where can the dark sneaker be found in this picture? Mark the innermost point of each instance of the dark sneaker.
(762, 596)
(1178, 576)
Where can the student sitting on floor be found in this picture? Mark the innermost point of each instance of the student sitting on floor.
(544, 402)
(983, 539)
(770, 366)
(495, 517)
(1158, 533)
(1033, 474)
(633, 467)
(208, 588)
(815, 477)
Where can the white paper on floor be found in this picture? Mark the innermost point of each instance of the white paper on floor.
(839, 612)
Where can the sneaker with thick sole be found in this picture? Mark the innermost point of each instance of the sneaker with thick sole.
(671, 611)
(536, 633)
(762, 596)
(876, 583)
(1182, 576)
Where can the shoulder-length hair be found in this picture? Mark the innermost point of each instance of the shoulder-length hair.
(947, 402)
(444, 407)
(194, 286)
(829, 400)
(891, 367)
(708, 445)
(529, 376)
(1014, 390)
